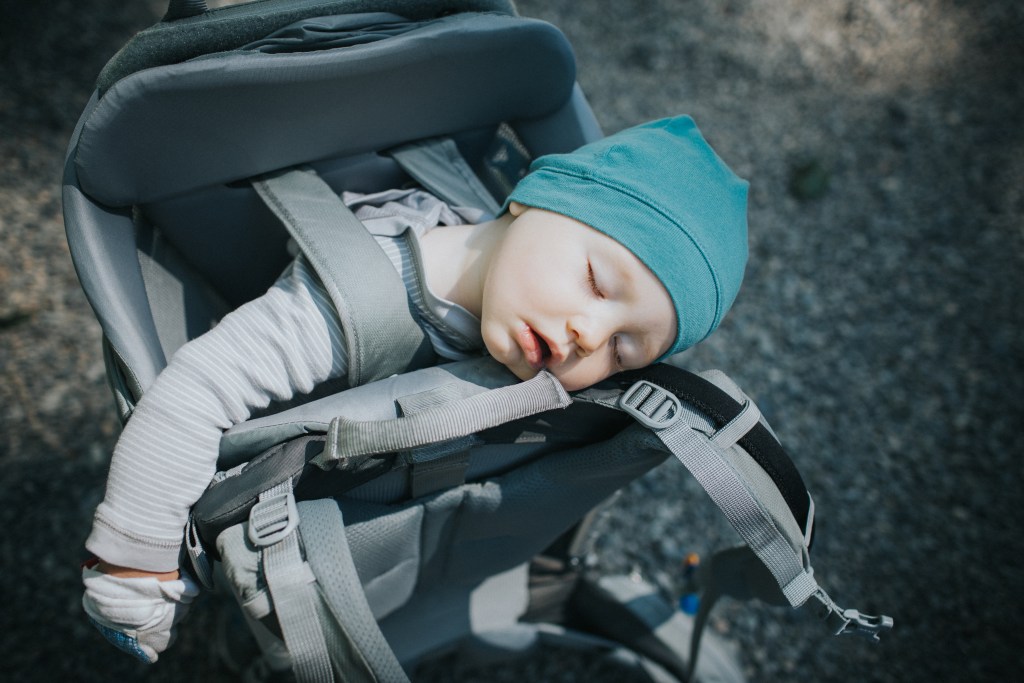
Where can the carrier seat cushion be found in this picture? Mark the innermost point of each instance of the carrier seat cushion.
(166, 131)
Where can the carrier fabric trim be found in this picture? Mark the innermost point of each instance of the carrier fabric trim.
(226, 28)
(166, 131)
(720, 408)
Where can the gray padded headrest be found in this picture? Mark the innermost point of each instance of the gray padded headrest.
(165, 131)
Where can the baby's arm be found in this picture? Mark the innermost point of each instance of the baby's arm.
(283, 343)
(279, 345)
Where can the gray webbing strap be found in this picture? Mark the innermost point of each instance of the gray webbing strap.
(711, 468)
(368, 657)
(348, 439)
(437, 165)
(768, 567)
(441, 465)
(381, 334)
(272, 527)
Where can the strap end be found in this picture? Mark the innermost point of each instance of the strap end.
(850, 621)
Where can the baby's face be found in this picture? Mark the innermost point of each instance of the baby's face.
(563, 296)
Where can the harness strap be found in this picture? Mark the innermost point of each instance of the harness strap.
(272, 527)
(773, 566)
(381, 334)
(365, 654)
(742, 506)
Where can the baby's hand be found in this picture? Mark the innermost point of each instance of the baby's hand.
(136, 611)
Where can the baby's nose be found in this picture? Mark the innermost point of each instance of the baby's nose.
(586, 336)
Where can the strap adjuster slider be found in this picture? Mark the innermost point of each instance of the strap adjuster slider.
(273, 518)
(651, 405)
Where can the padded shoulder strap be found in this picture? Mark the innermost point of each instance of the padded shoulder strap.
(773, 514)
(706, 450)
(382, 336)
(721, 409)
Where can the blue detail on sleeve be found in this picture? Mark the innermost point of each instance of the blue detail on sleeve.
(122, 641)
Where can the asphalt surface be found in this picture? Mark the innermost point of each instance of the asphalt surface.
(879, 325)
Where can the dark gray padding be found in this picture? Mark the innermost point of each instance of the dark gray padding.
(102, 244)
(184, 306)
(217, 120)
(224, 219)
(226, 28)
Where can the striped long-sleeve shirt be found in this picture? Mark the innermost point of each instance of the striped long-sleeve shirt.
(280, 345)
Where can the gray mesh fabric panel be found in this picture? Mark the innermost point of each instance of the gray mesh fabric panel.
(538, 502)
(479, 531)
(386, 552)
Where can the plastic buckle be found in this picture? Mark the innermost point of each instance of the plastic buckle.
(651, 405)
(853, 622)
(272, 519)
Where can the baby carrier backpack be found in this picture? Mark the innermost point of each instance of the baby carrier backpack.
(429, 508)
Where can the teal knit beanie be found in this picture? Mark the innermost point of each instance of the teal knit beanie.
(662, 192)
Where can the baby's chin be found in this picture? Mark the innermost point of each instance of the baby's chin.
(522, 371)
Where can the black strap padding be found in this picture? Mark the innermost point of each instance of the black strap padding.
(228, 502)
(721, 408)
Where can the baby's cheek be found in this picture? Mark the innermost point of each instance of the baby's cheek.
(500, 347)
(584, 374)
(493, 341)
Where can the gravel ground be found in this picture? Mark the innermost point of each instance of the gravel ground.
(879, 325)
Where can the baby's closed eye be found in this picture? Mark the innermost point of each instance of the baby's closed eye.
(592, 281)
(616, 353)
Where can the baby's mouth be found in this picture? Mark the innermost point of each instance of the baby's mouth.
(536, 350)
(545, 350)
